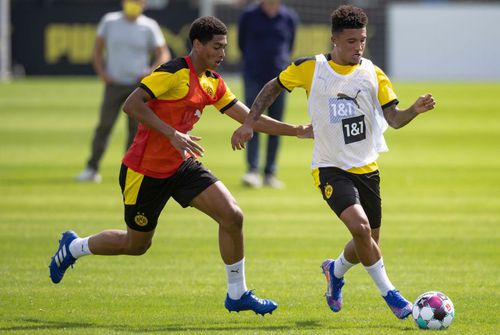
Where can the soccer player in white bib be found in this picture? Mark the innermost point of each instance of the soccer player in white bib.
(350, 102)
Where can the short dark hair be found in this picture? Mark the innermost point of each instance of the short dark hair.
(204, 28)
(348, 17)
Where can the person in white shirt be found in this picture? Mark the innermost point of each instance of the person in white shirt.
(126, 42)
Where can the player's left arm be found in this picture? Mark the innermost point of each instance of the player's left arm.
(264, 99)
(398, 118)
(264, 124)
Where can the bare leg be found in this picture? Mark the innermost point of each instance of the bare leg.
(218, 203)
(365, 246)
(350, 250)
(120, 242)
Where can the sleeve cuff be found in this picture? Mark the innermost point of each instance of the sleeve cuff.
(281, 84)
(145, 88)
(229, 105)
(390, 103)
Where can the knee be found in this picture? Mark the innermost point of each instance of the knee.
(232, 219)
(138, 249)
(362, 230)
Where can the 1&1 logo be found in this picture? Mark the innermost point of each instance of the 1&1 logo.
(343, 106)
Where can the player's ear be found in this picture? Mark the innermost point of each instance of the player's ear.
(197, 44)
(333, 39)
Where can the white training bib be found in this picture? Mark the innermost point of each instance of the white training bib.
(347, 118)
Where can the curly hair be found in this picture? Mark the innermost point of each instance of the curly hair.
(204, 28)
(348, 17)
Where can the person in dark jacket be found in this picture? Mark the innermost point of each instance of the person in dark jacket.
(266, 33)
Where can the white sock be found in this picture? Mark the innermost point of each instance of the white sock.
(236, 284)
(379, 276)
(80, 247)
(342, 265)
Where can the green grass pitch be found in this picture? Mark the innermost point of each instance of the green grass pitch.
(441, 201)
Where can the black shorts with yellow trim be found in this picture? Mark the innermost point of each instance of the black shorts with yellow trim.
(145, 197)
(342, 189)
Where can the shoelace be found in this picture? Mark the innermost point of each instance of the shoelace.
(254, 297)
(397, 300)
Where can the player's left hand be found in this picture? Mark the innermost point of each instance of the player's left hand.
(240, 136)
(424, 103)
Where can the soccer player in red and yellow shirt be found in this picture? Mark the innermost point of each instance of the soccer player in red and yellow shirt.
(161, 163)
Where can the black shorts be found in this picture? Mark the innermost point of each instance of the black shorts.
(145, 197)
(342, 189)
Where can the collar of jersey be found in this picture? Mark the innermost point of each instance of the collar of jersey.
(340, 69)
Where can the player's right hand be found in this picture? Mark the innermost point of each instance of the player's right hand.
(186, 145)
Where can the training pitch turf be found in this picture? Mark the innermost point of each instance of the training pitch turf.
(441, 202)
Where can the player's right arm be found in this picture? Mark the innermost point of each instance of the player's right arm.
(136, 107)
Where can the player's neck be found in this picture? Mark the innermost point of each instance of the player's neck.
(198, 65)
(336, 59)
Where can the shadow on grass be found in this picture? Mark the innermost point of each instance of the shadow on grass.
(37, 324)
(30, 324)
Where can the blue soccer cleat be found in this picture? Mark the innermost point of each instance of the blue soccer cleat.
(399, 305)
(62, 259)
(334, 286)
(250, 302)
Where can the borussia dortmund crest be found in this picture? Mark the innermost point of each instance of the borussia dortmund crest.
(141, 220)
(328, 191)
(209, 90)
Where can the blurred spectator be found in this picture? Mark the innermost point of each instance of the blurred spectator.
(126, 43)
(266, 32)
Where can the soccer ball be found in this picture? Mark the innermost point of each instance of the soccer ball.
(433, 310)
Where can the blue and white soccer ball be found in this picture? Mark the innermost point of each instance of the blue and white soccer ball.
(433, 310)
